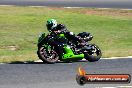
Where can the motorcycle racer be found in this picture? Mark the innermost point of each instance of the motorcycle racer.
(58, 37)
(61, 44)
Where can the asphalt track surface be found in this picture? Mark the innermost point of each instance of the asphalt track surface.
(59, 75)
(124, 4)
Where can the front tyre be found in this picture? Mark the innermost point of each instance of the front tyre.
(47, 55)
(93, 53)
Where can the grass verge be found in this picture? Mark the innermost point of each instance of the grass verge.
(20, 26)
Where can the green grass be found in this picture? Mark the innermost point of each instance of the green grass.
(20, 26)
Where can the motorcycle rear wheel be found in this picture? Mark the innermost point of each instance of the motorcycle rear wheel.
(93, 55)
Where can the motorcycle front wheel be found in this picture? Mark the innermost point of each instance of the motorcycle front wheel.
(47, 55)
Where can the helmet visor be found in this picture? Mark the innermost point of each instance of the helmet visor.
(49, 26)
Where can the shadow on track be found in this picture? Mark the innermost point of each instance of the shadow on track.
(32, 62)
(26, 62)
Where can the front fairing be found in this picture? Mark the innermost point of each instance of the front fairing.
(41, 38)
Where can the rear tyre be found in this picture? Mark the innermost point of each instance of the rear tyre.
(47, 56)
(93, 54)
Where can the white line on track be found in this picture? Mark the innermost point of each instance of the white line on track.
(71, 7)
(74, 7)
(124, 86)
(2, 63)
(117, 87)
(117, 57)
(37, 6)
(101, 58)
(97, 8)
(6, 5)
(106, 87)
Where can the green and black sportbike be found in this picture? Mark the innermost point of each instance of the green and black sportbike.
(72, 50)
